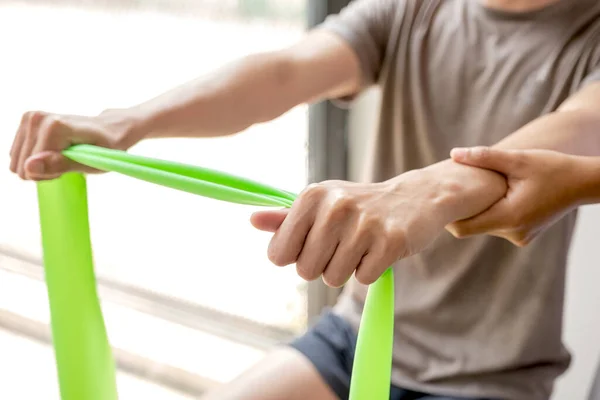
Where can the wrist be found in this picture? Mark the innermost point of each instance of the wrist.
(448, 191)
(124, 125)
(463, 191)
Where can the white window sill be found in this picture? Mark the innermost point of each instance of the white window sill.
(215, 359)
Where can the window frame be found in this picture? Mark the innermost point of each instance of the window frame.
(327, 151)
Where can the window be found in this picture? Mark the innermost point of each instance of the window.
(198, 285)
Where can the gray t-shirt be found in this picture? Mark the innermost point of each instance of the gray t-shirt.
(474, 317)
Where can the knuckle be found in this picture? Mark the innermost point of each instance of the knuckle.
(273, 258)
(391, 247)
(390, 250)
(394, 249)
(362, 235)
(313, 192)
(306, 271)
(56, 164)
(52, 124)
(482, 153)
(345, 202)
(36, 116)
(35, 122)
(333, 278)
(342, 207)
(520, 160)
(365, 276)
(276, 260)
(396, 236)
(26, 117)
(369, 223)
(49, 129)
(276, 257)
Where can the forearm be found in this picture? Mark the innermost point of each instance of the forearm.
(575, 132)
(254, 89)
(247, 91)
(467, 191)
(586, 171)
(464, 191)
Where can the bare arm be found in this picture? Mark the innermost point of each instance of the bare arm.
(574, 128)
(336, 229)
(254, 89)
(521, 214)
(543, 185)
(589, 191)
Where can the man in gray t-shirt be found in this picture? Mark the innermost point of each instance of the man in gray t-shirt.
(476, 318)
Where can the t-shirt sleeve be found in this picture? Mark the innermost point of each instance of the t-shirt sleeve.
(366, 26)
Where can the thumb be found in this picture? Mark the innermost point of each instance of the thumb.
(492, 220)
(268, 221)
(47, 165)
(503, 161)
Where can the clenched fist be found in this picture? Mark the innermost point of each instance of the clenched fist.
(41, 137)
(336, 229)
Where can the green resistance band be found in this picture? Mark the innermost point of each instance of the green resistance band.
(84, 360)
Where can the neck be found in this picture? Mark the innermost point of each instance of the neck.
(518, 5)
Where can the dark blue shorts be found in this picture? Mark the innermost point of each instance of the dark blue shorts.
(330, 344)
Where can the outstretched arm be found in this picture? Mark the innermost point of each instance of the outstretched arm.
(254, 89)
(338, 228)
